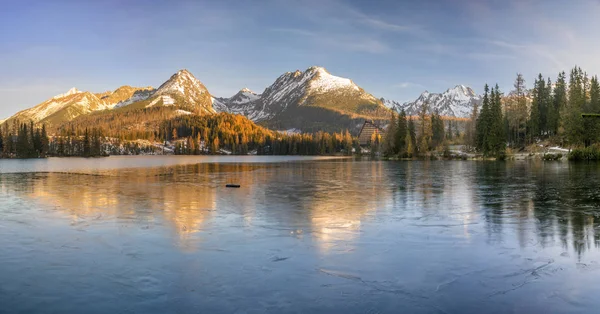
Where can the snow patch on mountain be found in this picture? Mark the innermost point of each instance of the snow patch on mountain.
(138, 95)
(323, 81)
(455, 102)
(71, 91)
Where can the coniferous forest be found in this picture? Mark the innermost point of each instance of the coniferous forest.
(564, 112)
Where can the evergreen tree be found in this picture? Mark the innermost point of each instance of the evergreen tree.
(413, 134)
(438, 131)
(592, 125)
(401, 132)
(536, 107)
(482, 129)
(390, 134)
(559, 103)
(573, 122)
(86, 144)
(497, 133)
(44, 142)
(424, 129)
(408, 142)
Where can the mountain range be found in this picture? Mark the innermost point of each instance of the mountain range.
(455, 102)
(309, 101)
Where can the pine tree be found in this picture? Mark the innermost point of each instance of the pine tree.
(592, 125)
(498, 138)
(44, 142)
(390, 140)
(401, 131)
(437, 127)
(573, 121)
(424, 129)
(410, 150)
(86, 144)
(413, 134)
(559, 102)
(536, 107)
(482, 129)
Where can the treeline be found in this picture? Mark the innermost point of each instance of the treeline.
(90, 144)
(550, 111)
(407, 137)
(22, 140)
(235, 134)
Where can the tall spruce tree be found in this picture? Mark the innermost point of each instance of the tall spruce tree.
(401, 131)
(437, 128)
(483, 124)
(390, 136)
(497, 136)
(573, 121)
(559, 103)
(592, 125)
(412, 132)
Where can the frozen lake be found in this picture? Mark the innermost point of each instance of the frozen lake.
(302, 235)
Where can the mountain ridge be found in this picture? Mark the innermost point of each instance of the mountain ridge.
(309, 100)
(457, 102)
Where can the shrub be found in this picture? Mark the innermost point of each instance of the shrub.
(587, 153)
(551, 156)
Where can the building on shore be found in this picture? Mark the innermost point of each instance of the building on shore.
(366, 132)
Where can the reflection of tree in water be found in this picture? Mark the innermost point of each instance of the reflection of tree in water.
(555, 201)
(491, 182)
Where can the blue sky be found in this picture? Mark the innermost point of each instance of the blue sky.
(393, 49)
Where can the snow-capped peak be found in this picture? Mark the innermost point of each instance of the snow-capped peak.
(461, 89)
(457, 101)
(71, 91)
(323, 81)
(181, 82)
(246, 90)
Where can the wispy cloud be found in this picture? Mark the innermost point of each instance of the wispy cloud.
(351, 42)
(407, 85)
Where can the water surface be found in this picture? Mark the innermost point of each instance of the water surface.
(302, 235)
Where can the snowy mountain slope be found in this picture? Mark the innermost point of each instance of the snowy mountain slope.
(455, 102)
(298, 98)
(126, 95)
(62, 107)
(185, 91)
(182, 90)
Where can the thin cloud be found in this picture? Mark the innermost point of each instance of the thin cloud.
(339, 41)
(407, 85)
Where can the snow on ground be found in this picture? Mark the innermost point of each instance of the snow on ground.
(182, 112)
(291, 131)
(559, 149)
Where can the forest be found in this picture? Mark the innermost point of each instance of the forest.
(563, 113)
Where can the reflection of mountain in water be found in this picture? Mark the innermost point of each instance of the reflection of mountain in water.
(330, 204)
(182, 196)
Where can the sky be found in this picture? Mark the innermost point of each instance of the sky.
(392, 48)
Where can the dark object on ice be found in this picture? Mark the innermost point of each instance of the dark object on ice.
(232, 185)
